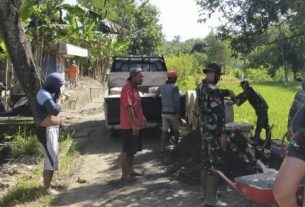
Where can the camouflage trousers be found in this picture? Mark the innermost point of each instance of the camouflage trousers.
(262, 123)
(212, 154)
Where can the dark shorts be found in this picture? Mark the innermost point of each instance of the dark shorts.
(131, 143)
(296, 147)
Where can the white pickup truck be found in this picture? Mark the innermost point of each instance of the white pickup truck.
(155, 74)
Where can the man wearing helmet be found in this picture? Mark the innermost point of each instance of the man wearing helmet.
(170, 100)
(48, 130)
(261, 109)
(210, 101)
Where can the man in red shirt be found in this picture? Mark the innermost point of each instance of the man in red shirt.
(131, 123)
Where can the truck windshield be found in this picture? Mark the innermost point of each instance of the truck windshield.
(125, 65)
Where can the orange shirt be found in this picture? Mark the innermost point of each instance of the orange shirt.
(73, 71)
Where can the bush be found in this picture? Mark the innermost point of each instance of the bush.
(280, 75)
(258, 74)
(24, 143)
(189, 68)
(235, 72)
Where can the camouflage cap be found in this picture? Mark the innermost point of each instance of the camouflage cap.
(213, 67)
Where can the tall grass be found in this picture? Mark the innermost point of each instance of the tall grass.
(28, 191)
(24, 142)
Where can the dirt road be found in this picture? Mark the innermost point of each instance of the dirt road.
(96, 179)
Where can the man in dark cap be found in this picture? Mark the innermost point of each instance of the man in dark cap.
(261, 109)
(48, 131)
(212, 127)
(132, 122)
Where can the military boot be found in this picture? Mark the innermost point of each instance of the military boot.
(210, 191)
(203, 176)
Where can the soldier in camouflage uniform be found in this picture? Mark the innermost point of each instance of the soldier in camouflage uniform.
(261, 109)
(212, 129)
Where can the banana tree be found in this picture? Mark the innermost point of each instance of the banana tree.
(73, 24)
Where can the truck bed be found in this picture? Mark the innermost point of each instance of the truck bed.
(151, 108)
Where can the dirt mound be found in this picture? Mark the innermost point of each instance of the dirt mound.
(185, 159)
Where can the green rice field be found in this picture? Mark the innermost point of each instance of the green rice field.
(279, 98)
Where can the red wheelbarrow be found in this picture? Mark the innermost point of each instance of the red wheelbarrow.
(257, 187)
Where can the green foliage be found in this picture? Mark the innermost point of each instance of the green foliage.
(176, 47)
(26, 9)
(3, 50)
(214, 50)
(217, 51)
(25, 12)
(272, 32)
(280, 75)
(28, 192)
(145, 32)
(139, 18)
(24, 143)
(236, 73)
(257, 74)
(188, 67)
(253, 19)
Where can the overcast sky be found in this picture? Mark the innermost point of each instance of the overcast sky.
(179, 17)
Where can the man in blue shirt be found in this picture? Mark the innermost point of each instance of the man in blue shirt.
(170, 100)
(48, 131)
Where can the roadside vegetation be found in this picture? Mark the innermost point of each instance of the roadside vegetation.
(23, 142)
(28, 191)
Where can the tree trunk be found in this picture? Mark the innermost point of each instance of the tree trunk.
(19, 50)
